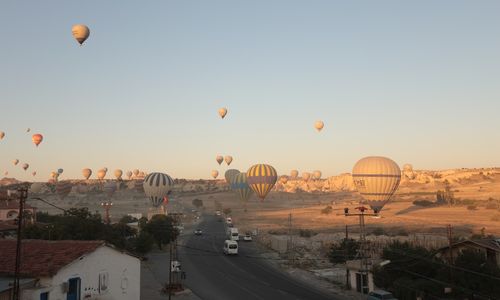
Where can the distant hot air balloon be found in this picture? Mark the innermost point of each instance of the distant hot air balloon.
(101, 174)
(294, 174)
(15, 162)
(118, 174)
(28, 129)
(408, 168)
(60, 171)
(109, 188)
(2, 135)
(228, 159)
(306, 176)
(63, 188)
(239, 184)
(215, 173)
(37, 139)
(319, 125)
(261, 179)
(317, 174)
(105, 169)
(157, 186)
(33, 173)
(25, 166)
(229, 175)
(80, 33)
(6, 173)
(222, 112)
(377, 179)
(54, 175)
(136, 172)
(86, 173)
(283, 179)
(219, 159)
(129, 174)
(36, 187)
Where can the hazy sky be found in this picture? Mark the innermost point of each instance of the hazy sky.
(417, 81)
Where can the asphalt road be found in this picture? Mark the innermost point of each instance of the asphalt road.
(212, 275)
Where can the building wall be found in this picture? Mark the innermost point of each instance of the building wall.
(4, 213)
(122, 272)
(457, 250)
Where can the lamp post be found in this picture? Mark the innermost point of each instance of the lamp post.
(22, 194)
(107, 206)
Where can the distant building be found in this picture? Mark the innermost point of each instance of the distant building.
(360, 281)
(490, 248)
(70, 270)
(9, 209)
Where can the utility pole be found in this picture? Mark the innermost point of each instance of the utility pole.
(107, 206)
(450, 249)
(290, 241)
(346, 252)
(22, 193)
(170, 273)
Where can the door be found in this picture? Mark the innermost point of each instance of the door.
(362, 283)
(73, 289)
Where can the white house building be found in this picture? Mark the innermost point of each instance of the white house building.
(73, 270)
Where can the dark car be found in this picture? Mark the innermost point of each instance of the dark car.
(380, 295)
(198, 232)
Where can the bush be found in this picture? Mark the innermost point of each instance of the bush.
(327, 210)
(423, 203)
(378, 231)
(306, 233)
(471, 207)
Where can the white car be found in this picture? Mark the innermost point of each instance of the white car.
(247, 237)
(230, 247)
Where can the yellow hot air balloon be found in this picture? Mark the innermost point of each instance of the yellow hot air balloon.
(15, 162)
(86, 173)
(2, 135)
(222, 112)
(261, 179)
(377, 179)
(118, 174)
(283, 179)
(228, 159)
(215, 173)
(80, 33)
(101, 174)
(319, 125)
(219, 159)
(294, 174)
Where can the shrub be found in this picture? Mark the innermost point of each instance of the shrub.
(471, 207)
(378, 231)
(423, 203)
(327, 210)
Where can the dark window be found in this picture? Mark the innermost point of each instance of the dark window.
(73, 289)
(44, 296)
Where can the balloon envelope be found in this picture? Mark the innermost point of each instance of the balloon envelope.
(261, 179)
(101, 174)
(239, 184)
(15, 162)
(229, 174)
(228, 159)
(136, 172)
(294, 173)
(157, 186)
(219, 159)
(222, 112)
(214, 173)
(60, 171)
(80, 33)
(86, 173)
(129, 175)
(377, 179)
(2, 135)
(317, 174)
(319, 125)
(118, 174)
(25, 167)
(306, 176)
(37, 139)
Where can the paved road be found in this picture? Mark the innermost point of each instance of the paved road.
(212, 275)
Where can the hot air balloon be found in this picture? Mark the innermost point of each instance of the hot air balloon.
(157, 186)
(283, 179)
(408, 168)
(25, 166)
(228, 159)
(86, 173)
(60, 171)
(136, 172)
(377, 179)
(54, 175)
(219, 159)
(319, 125)
(306, 176)
(294, 174)
(33, 173)
(261, 179)
(36, 187)
(80, 33)
(118, 174)
(105, 169)
(15, 162)
(2, 135)
(37, 139)
(215, 173)
(6, 173)
(222, 112)
(129, 174)
(317, 174)
(28, 129)
(109, 188)
(229, 175)
(101, 174)
(239, 184)
(63, 188)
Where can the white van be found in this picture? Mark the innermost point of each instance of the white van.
(233, 234)
(230, 247)
(229, 220)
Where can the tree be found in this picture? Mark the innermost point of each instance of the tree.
(197, 203)
(127, 219)
(162, 229)
(346, 250)
(144, 243)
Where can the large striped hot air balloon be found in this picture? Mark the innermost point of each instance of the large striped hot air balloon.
(239, 184)
(377, 179)
(63, 188)
(229, 175)
(157, 186)
(261, 179)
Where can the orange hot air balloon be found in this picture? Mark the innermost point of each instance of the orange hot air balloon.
(37, 139)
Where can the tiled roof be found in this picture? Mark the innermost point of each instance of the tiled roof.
(43, 258)
(492, 244)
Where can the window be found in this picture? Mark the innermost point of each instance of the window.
(73, 289)
(44, 296)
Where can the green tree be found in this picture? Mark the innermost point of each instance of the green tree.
(162, 229)
(143, 243)
(127, 219)
(346, 250)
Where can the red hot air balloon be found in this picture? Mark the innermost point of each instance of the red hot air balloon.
(37, 139)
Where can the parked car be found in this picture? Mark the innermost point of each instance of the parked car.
(247, 237)
(198, 232)
(380, 295)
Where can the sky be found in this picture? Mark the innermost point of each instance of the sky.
(416, 81)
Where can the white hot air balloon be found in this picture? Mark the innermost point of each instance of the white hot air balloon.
(80, 33)
(215, 173)
(377, 179)
(157, 187)
(319, 125)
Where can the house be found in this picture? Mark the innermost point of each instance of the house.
(72, 270)
(9, 209)
(359, 280)
(490, 248)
